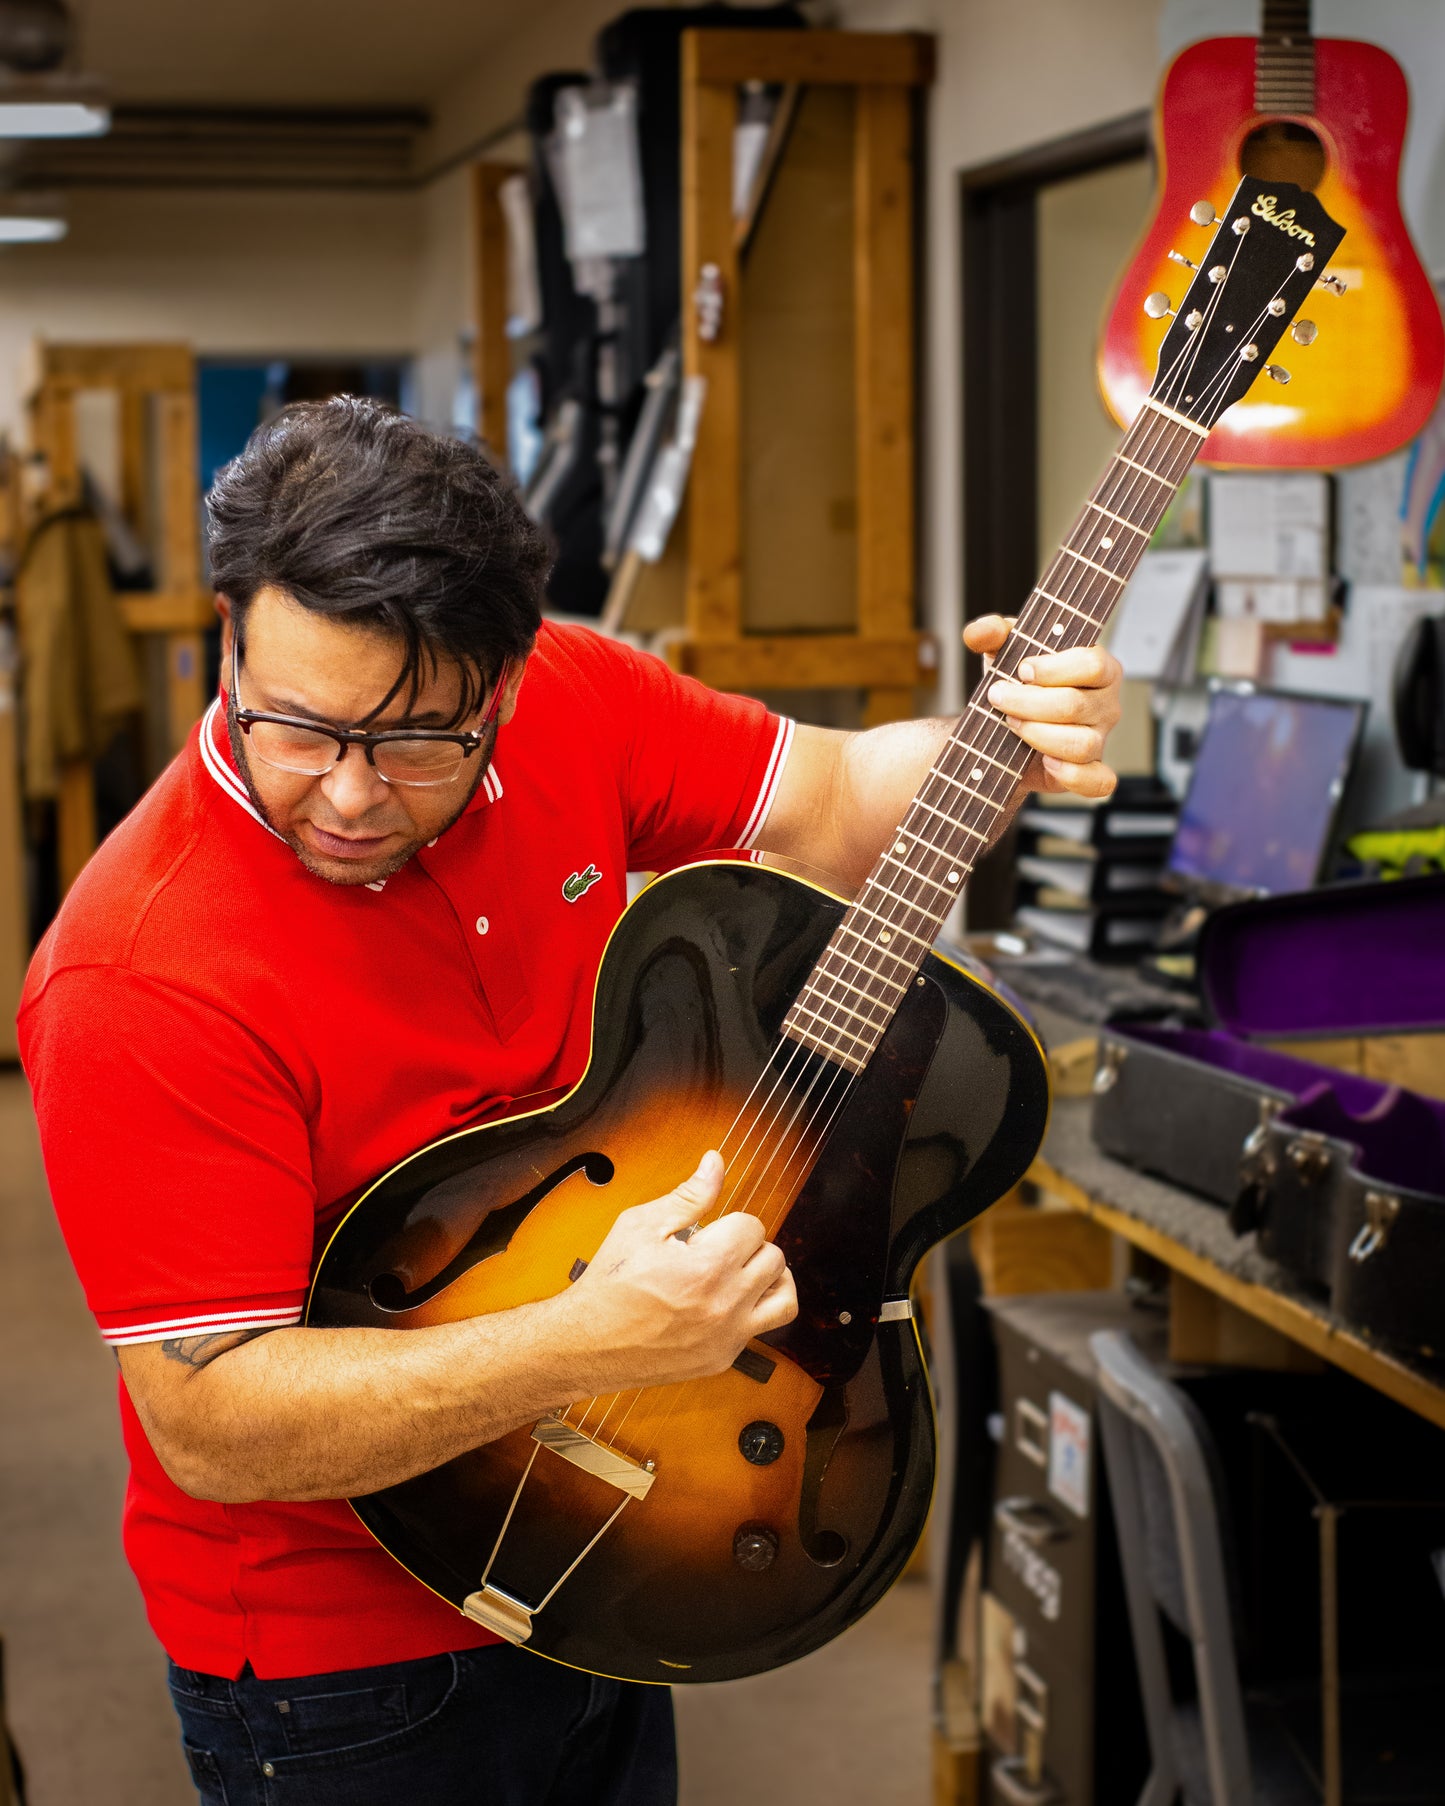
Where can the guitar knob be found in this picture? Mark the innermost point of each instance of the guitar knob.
(755, 1547)
(1157, 305)
(1304, 332)
(1203, 214)
(760, 1443)
(1277, 372)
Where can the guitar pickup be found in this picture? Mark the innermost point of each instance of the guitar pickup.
(755, 1365)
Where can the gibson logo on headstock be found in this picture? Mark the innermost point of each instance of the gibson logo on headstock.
(1286, 222)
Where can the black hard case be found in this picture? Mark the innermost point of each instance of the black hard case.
(1343, 1177)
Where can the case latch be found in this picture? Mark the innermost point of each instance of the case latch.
(1380, 1213)
(1112, 1055)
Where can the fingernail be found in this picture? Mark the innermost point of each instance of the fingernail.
(1026, 671)
(998, 695)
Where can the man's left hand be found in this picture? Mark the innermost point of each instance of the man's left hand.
(1064, 708)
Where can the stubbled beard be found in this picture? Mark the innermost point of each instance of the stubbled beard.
(395, 861)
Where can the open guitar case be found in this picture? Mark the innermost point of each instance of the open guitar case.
(1341, 1176)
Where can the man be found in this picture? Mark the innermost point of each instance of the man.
(363, 909)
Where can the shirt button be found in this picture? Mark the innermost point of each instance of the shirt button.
(482, 924)
(268, 1769)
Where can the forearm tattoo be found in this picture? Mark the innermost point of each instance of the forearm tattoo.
(200, 1351)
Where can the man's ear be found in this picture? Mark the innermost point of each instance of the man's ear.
(508, 706)
(228, 628)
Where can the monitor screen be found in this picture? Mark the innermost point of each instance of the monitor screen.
(1265, 791)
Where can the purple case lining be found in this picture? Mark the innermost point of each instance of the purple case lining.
(1348, 959)
(1400, 1135)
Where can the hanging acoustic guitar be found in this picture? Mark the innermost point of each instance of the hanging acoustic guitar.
(1326, 114)
(868, 1098)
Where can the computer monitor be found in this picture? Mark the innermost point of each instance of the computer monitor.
(1264, 796)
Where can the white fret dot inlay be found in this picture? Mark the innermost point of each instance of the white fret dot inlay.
(902, 847)
(977, 774)
(1057, 629)
(884, 936)
(953, 877)
(1105, 544)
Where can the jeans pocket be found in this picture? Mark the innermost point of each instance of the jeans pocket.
(206, 1773)
(314, 1723)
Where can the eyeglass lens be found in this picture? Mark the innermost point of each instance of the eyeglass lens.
(312, 754)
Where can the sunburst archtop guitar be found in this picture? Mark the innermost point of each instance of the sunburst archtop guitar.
(868, 1098)
(1329, 115)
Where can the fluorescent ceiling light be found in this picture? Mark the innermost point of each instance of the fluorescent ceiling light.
(52, 106)
(52, 118)
(30, 229)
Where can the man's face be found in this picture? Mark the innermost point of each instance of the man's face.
(348, 826)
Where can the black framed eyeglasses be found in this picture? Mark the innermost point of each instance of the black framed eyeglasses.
(409, 755)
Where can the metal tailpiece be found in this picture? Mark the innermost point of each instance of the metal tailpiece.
(500, 1612)
(594, 1458)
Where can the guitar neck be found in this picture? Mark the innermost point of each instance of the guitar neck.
(963, 803)
(1284, 59)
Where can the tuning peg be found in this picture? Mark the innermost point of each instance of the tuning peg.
(1304, 332)
(1277, 372)
(1179, 257)
(1157, 305)
(1203, 214)
(1335, 284)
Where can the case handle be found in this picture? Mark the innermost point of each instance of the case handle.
(1029, 1518)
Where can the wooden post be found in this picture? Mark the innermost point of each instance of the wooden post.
(713, 605)
(180, 572)
(491, 353)
(883, 312)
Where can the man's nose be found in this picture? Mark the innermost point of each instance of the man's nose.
(353, 785)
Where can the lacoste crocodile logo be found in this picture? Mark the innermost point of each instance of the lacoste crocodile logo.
(580, 883)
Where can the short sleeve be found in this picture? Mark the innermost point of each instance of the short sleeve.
(177, 1154)
(701, 768)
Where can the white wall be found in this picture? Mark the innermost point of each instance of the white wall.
(227, 272)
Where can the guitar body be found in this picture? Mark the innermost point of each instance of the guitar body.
(732, 1562)
(1380, 382)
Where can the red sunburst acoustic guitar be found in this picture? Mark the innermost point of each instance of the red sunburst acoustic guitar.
(1329, 115)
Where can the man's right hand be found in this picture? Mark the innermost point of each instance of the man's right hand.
(652, 1309)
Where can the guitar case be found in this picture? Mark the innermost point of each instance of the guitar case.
(1341, 1175)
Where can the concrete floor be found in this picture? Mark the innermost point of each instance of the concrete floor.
(87, 1698)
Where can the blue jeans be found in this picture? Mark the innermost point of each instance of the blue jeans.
(483, 1727)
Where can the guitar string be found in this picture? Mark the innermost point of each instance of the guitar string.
(1121, 496)
(996, 737)
(1157, 432)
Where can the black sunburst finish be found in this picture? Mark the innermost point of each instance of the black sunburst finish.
(788, 1492)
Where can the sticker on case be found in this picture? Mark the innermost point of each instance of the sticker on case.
(1069, 1453)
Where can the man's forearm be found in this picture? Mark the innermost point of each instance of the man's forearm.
(335, 1413)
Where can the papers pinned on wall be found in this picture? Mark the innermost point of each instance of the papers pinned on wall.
(1270, 526)
(1160, 615)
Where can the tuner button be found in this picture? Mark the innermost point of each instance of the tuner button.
(1240, 226)
(1157, 305)
(1277, 372)
(1249, 353)
(1304, 332)
(1335, 284)
(1193, 319)
(1218, 273)
(1276, 307)
(1305, 262)
(1179, 257)
(1203, 214)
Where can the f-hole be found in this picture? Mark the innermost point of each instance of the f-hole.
(1282, 150)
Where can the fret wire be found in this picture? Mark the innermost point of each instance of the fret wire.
(1103, 570)
(884, 950)
(933, 847)
(953, 820)
(803, 1037)
(1059, 601)
(993, 802)
(987, 758)
(890, 925)
(1118, 519)
(834, 1003)
(833, 1027)
(908, 902)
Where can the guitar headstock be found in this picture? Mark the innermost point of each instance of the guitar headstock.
(1270, 250)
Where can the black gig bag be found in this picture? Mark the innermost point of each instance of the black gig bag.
(1341, 1173)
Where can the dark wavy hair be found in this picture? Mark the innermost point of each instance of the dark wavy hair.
(357, 512)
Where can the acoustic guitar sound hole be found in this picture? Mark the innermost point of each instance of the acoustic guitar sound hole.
(1283, 151)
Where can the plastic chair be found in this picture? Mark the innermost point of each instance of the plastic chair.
(1211, 1749)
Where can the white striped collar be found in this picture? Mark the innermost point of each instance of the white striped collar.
(225, 775)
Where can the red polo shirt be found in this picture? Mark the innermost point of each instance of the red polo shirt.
(224, 1049)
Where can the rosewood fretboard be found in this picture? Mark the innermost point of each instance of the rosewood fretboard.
(962, 804)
